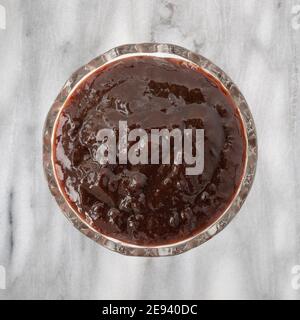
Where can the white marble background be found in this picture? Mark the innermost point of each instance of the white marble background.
(256, 42)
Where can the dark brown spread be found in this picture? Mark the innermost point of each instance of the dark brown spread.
(149, 204)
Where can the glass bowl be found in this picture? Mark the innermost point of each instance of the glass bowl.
(161, 50)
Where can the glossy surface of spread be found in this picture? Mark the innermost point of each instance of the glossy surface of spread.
(149, 204)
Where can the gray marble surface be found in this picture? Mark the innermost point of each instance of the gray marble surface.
(256, 42)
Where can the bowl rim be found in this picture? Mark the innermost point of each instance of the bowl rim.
(161, 50)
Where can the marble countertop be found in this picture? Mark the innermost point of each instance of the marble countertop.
(256, 42)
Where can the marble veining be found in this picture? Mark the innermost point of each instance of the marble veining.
(256, 42)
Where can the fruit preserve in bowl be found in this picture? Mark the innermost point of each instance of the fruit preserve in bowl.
(128, 200)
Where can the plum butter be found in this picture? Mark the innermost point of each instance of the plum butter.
(148, 204)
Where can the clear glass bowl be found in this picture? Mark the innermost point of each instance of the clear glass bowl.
(162, 50)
